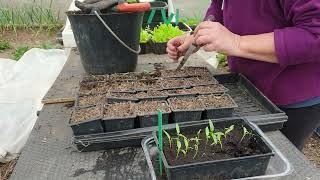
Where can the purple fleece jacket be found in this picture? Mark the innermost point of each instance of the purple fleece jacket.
(296, 27)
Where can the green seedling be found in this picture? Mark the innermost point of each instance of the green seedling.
(196, 148)
(145, 36)
(207, 132)
(196, 145)
(177, 129)
(186, 146)
(164, 32)
(178, 147)
(219, 136)
(214, 139)
(169, 137)
(222, 59)
(245, 133)
(211, 126)
(228, 130)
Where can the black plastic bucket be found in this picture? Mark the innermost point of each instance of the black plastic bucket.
(100, 51)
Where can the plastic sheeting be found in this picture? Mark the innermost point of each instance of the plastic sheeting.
(23, 84)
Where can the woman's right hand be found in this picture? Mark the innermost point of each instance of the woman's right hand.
(178, 46)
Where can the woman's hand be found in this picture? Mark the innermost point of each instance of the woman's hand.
(178, 46)
(213, 36)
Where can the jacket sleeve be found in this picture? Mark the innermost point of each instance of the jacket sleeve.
(300, 42)
(215, 10)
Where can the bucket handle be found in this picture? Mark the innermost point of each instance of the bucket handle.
(115, 36)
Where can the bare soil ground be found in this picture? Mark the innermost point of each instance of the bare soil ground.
(25, 37)
(312, 150)
(6, 169)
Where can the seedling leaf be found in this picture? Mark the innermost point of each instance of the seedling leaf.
(177, 129)
(211, 126)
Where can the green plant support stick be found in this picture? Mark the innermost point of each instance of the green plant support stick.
(160, 140)
(152, 13)
(177, 16)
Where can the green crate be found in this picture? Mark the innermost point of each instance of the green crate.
(157, 17)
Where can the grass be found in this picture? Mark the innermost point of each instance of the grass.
(49, 45)
(19, 52)
(30, 15)
(4, 45)
(192, 21)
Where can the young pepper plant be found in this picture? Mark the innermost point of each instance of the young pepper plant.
(168, 137)
(197, 143)
(186, 145)
(228, 130)
(178, 147)
(245, 133)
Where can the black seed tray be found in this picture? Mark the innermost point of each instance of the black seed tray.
(229, 168)
(214, 113)
(90, 126)
(252, 104)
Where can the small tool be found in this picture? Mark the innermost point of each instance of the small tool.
(193, 47)
(140, 7)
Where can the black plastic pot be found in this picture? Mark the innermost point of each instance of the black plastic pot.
(146, 48)
(213, 113)
(111, 100)
(185, 115)
(215, 91)
(118, 124)
(232, 168)
(151, 119)
(199, 83)
(154, 98)
(100, 52)
(90, 126)
(171, 93)
(78, 105)
(159, 48)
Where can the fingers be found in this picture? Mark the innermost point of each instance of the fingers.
(172, 48)
(204, 25)
(186, 44)
(203, 37)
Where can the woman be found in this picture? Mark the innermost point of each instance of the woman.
(276, 44)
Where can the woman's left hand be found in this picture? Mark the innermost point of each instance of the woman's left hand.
(213, 36)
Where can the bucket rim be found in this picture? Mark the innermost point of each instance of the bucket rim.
(75, 13)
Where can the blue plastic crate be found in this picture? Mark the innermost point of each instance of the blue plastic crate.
(318, 131)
